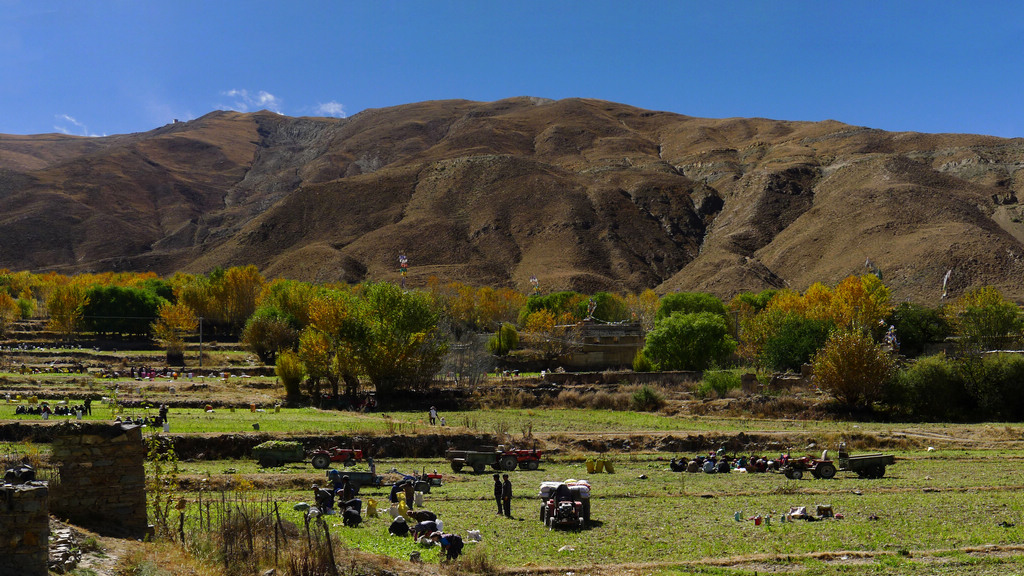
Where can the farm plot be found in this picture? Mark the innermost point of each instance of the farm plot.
(665, 519)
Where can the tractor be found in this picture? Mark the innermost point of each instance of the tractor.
(564, 505)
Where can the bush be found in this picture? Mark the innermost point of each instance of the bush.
(917, 326)
(994, 383)
(853, 368)
(290, 370)
(641, 363)
(646, 399)
(504, 340)
(719, 383)
(931, 388)
(689, 341)
(26, 307)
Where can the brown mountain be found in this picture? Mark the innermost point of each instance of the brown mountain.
(584, 194)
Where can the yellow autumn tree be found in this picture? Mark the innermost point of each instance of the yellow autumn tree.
(65, 305)
(9, 312)
(173, 324)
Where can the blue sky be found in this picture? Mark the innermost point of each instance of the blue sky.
(99, 67)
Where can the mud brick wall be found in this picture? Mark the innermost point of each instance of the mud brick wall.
(24, 529)
(102, 483)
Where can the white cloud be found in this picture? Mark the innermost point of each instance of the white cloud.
(243, 101)
(68, 125)
(332, 108)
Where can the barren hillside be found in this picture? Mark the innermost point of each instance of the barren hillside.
(585, 194)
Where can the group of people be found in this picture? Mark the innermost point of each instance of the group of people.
(59, 410)
(427, 525)
(721, 464)
(503, 495)
(53, 369)
(344, 491)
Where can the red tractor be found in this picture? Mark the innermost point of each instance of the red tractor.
(498, 459)
(322, 457)
(794, 468)
(564, 506)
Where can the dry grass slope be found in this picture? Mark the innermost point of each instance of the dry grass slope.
(586, 194)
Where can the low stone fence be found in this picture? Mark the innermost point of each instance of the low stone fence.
(102, 483)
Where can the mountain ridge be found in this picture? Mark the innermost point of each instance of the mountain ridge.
(585, 194)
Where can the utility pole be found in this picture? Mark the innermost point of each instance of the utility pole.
(200, 341)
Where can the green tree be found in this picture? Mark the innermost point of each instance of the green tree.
(402, 344)
(268, 331)
(120, 310)
(917, 326)
(690, 303)
(983, 320)
(853, 368)
(931, 388)
(794, 340)
(689, 341)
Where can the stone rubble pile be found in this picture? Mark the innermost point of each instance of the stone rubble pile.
(65, 553)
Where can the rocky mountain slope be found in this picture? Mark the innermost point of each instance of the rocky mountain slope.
(584, 194)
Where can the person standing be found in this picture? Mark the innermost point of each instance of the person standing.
(433, 415)
(410, 494)
(506, 496)
(497, 492)
(88, 405)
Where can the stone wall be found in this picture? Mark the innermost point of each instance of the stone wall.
(24, 529)
(102, 483)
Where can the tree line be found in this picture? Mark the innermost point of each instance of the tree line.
(865, 351)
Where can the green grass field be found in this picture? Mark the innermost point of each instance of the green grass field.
(955, 510)
(645, 514)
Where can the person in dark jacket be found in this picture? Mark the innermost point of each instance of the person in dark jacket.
(399, 527)
(497, 492)
(423, 515)
(506, 496)
(410, 494)
(396, 489)
(451, 543)
(351, 517)
(423, 529)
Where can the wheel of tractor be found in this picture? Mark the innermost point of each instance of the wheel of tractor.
(794, 474)
(862, 473)
(479, 468)
(321, 461)
(879, 471)
(815, 473)
(508, 463)
(456, 466)
(826, 471)
(543, 512)
(532, 465)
